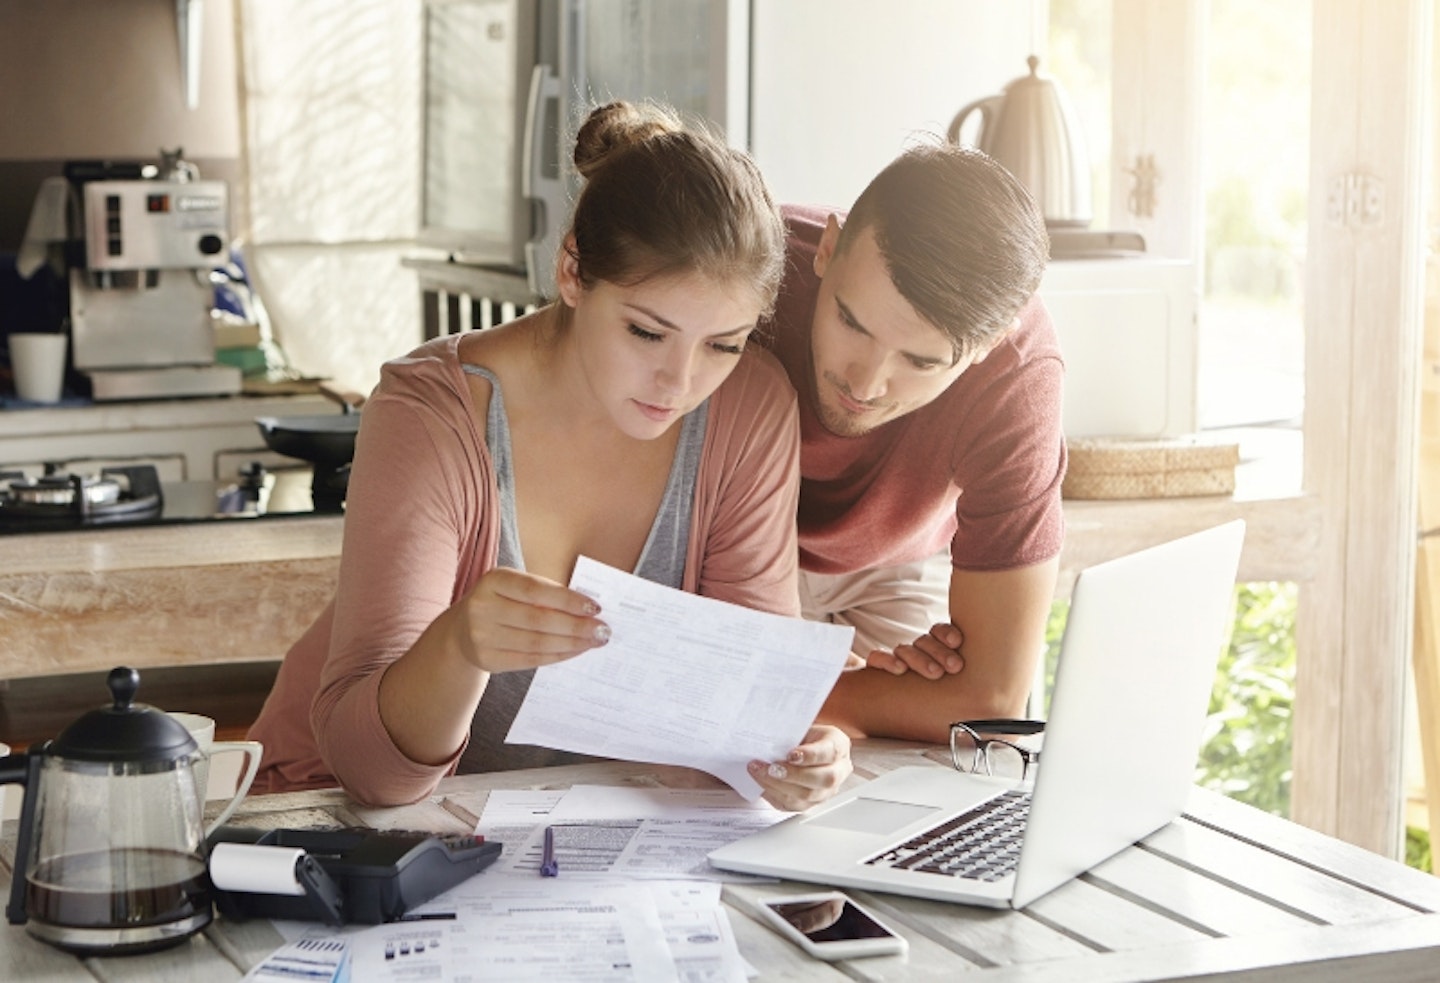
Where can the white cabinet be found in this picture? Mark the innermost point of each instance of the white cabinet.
(1127, 332)
(186, 439)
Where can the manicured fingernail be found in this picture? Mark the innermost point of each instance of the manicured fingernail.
(777, 771)
(591, 608)
(602, 634)
(758, 766)
(796, 757)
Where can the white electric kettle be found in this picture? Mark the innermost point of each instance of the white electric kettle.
(1031, 129)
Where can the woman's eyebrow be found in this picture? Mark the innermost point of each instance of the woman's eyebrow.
(667, 323)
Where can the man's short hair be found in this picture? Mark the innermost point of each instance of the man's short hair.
(962, 239)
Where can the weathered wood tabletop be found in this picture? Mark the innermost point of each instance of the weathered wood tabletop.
(1225, 893)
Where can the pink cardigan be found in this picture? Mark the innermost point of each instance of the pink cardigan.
(422, 526)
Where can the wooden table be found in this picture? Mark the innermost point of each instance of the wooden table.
(1225, 893)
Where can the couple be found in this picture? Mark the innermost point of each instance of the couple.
(645, 419)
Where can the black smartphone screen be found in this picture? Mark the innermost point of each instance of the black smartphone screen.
(829, 920)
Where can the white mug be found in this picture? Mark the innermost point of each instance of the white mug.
(202, 729)
(38, 364)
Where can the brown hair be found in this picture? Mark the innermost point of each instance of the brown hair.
(660, 198)
(962, 239)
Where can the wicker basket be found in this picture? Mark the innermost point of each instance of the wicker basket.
(1174, 468)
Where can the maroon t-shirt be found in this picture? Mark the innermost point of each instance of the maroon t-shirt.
(979, 467)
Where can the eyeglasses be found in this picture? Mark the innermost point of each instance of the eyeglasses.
(970, 752)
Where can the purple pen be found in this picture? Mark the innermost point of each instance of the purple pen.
(549, 867)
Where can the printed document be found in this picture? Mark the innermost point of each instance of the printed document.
(684, 680)
(627, 832)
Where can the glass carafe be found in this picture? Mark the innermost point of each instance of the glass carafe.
(111, 844)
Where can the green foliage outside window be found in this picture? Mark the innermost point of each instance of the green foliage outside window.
(1246, 750)
(1417, 849)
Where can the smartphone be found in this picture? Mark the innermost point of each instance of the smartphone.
(831, 926)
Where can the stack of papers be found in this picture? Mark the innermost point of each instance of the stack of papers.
(635, 898)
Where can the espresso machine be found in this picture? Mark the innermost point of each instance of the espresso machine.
(139, 280)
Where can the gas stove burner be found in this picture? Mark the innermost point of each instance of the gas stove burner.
(64, 489)
(59, 500)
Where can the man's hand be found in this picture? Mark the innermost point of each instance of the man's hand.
(933, 656)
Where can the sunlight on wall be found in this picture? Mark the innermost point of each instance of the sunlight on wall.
(331, 102)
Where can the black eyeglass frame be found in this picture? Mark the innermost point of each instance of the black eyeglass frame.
(1010, 727)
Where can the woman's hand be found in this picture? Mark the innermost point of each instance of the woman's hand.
(515, 620)
(933, 656)
(811, 773)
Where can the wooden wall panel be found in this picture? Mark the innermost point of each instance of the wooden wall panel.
(1362, 354)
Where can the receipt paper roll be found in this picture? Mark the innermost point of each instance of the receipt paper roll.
(255, 869)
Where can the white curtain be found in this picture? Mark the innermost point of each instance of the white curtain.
(330, 92)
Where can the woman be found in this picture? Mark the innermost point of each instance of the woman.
(627, 421)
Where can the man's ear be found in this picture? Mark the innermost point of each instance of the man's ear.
(567, 273)
(826, 250)
(995, 342)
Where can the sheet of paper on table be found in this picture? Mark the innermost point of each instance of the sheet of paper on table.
(628, 832)
(684, 680)
(487, 930)
(616, 930)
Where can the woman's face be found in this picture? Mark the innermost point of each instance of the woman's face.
(652, 352)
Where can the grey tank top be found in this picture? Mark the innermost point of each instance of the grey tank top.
(662, 560)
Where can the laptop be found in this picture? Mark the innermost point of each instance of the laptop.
(1136, 668)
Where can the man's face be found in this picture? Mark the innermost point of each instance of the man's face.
(875, 358)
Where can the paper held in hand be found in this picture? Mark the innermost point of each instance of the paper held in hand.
(685, 680)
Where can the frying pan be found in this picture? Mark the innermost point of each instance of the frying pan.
(325, 440)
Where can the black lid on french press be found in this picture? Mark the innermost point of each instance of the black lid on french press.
(124, 730)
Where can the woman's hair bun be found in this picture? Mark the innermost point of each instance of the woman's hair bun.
(664, 197)
(617, 125)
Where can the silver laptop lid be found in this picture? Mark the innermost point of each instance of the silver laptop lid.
(1136, 669)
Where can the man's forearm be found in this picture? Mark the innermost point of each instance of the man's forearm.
(1001, 616)
(874, 703)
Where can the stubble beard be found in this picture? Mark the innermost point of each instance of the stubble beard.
(839, 422)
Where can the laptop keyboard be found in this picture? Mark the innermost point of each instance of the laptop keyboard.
(982, 844)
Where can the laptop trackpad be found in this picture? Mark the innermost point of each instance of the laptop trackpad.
(862, 815)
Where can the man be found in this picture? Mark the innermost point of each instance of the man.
(931, 446)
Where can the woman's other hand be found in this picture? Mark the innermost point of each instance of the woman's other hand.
(514, 620)
(810, 773)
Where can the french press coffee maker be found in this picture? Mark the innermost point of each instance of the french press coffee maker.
(111, 851)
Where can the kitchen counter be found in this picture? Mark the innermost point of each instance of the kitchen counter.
(173, 595)
(243, 590)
